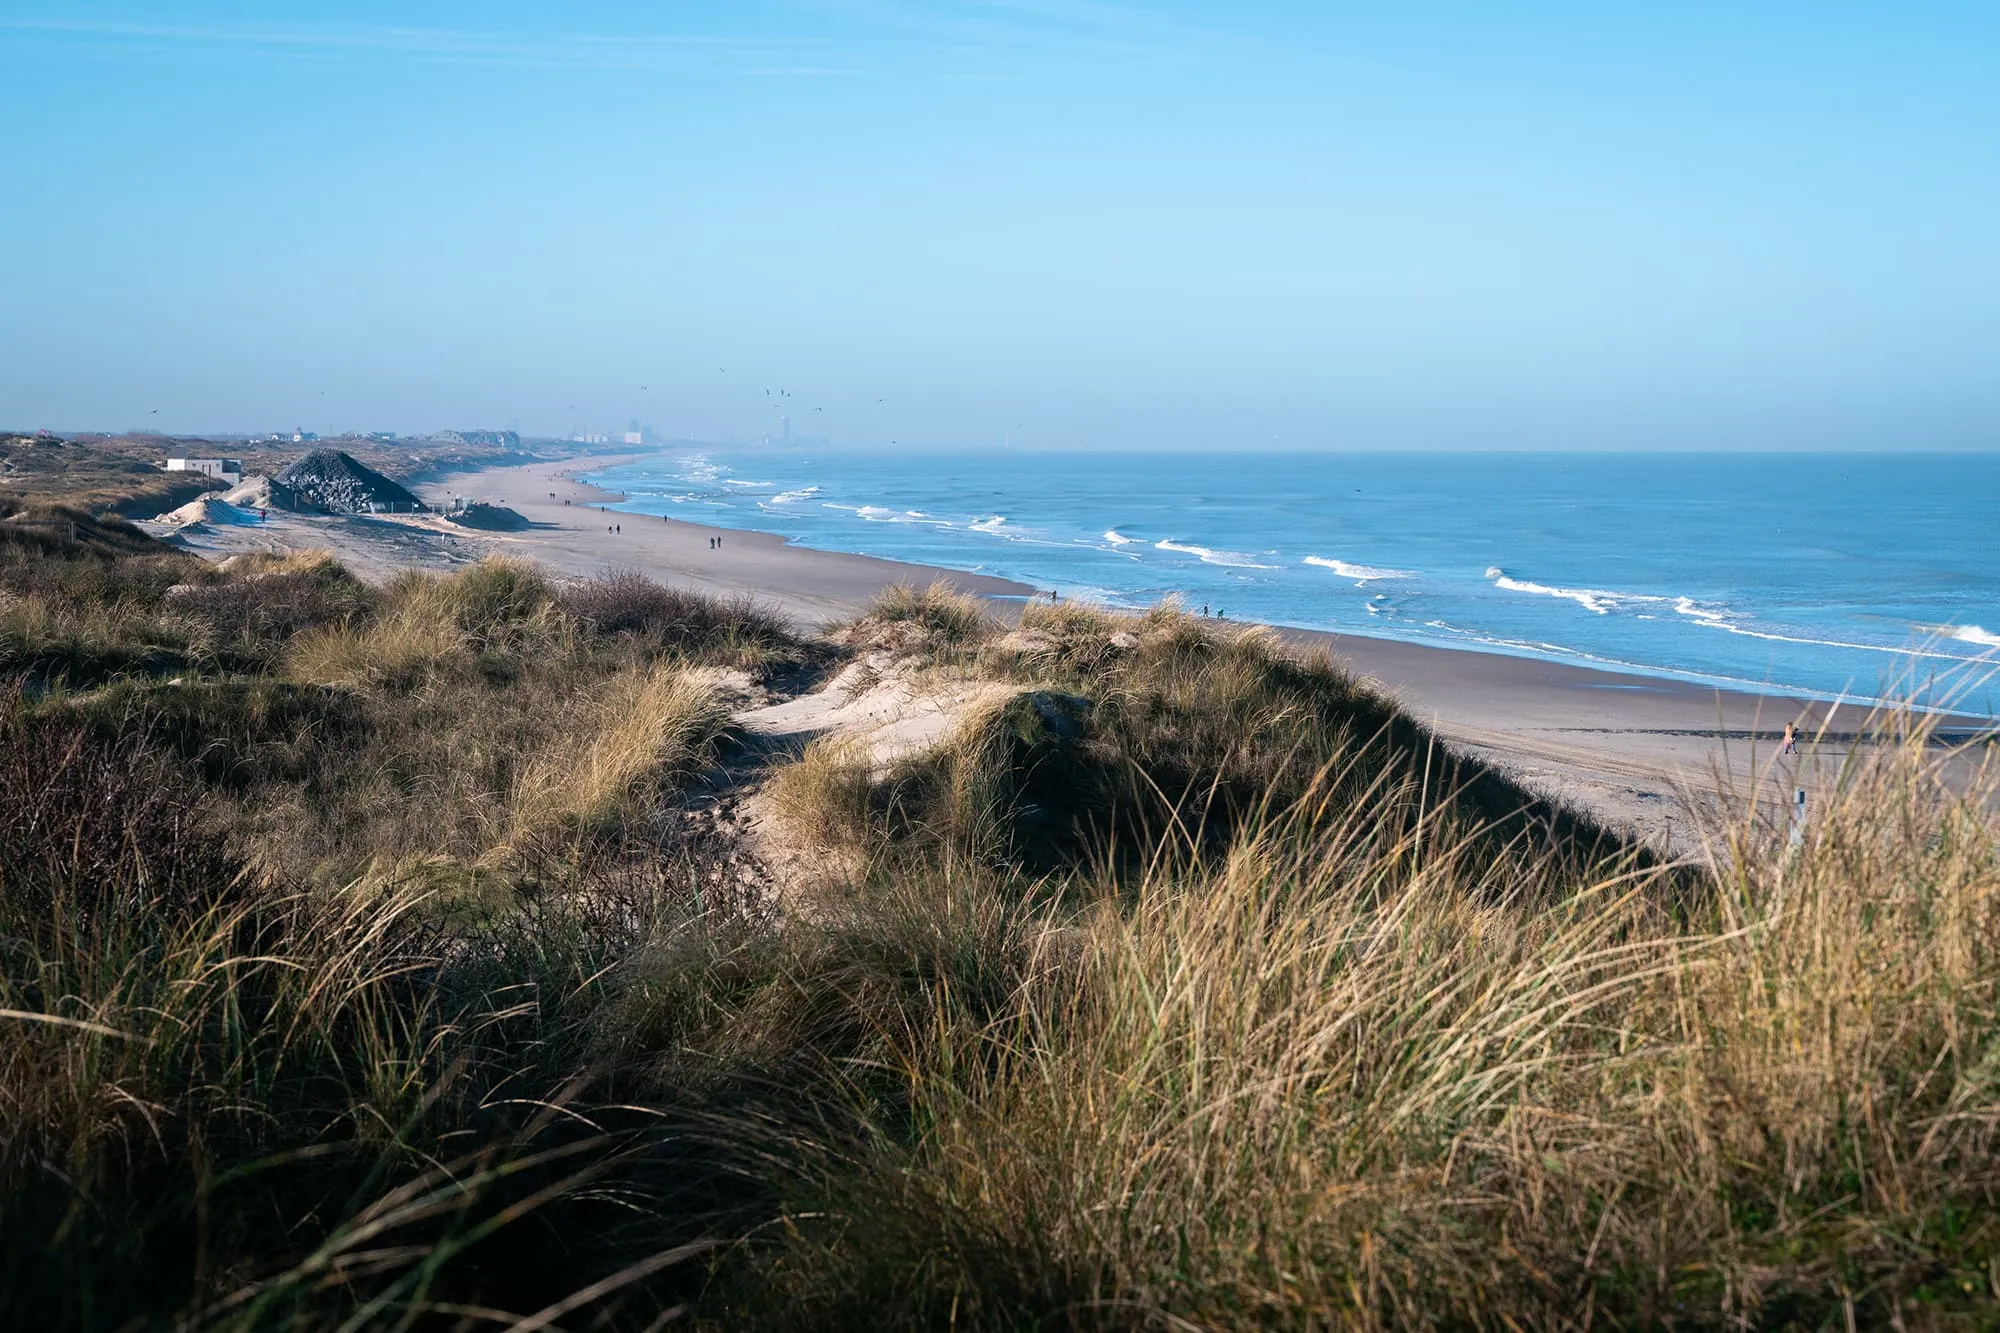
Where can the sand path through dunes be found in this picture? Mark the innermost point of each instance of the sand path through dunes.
(880, 710)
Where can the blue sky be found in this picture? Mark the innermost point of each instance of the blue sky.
(1062, 224)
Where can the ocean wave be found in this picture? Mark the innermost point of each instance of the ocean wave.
(1707, 615)
(876, 514)
(1231, 559)
(835, 504)
(787, 497)
(1116, 538)
(1359, 573)
(1599, 601)
(749, 485)
(1724, 619)
(699, 467)
(991, 523)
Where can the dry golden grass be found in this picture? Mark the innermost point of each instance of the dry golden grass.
(824, 795)
(937, 616)
(642, 731)
(1372, 1051)
(1343, 1080)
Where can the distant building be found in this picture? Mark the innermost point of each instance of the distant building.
(229, 471)
(504, 439)
(635, 437)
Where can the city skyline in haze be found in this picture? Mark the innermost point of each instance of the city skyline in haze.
(1049, 224)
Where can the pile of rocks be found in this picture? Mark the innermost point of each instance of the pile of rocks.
(340, 484)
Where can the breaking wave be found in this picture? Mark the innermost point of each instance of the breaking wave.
(1232, 559)
(1359, 573)
(1596, 600)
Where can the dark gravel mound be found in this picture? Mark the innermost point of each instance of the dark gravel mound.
(331, 480)
(492, 518)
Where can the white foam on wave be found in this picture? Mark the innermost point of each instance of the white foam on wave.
(1707, 615)
(749, 485)
(1116, 538)
(699, 467)
(1230, 559)
(991, 523)
(876, 514)
(1599, 601)
(1359, 573)
(788, 497)
(1722, 618)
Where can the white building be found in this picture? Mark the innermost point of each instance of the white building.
(229, 471)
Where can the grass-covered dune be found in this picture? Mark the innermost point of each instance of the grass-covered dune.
(363, 964)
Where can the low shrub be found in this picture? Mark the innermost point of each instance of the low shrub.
(248, 619)
(733, 631)
(942, 615)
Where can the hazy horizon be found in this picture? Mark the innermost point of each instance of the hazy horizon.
(1058, 225)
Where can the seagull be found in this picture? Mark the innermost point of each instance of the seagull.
(819, 409)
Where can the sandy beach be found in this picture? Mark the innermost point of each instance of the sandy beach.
(1631, 748)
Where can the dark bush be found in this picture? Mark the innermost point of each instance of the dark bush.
(94, 827)
(257, 616)
(232, 734)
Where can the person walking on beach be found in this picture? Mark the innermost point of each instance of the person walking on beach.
(1791, 745)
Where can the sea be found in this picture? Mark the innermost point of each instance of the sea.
(1841, 576)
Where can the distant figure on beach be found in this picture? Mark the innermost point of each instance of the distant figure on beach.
(1791, 745)
(618, 527)
(1204, 608)
(1052, 597)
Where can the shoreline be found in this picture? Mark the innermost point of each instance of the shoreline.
(1805, 698)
